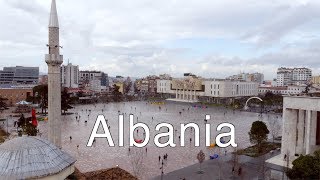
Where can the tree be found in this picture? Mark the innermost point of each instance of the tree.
(116, 95)
(305, 167)
(201, 158)
(40, 96)
(66, 100)
(26, 125)
(137, 161)
(258, 133)
(3, 104)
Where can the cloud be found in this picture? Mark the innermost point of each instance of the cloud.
(133, 38)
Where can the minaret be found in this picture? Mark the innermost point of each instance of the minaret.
(54, 61)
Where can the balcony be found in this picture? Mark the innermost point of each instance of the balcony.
(54, 59)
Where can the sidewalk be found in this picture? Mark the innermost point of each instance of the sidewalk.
(252, 169)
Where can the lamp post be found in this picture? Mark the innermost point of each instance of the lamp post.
(161, 169)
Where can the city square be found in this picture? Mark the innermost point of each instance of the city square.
(158, 90)
(101, 156)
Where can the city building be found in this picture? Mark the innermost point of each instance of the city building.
(70, 76)
(19, 75)
(121, 87)
(165, 76)
(293, 76)
(249, 77)
(91, 79)
(315, 80)
(147, 85)
(95, 85)
(283, 90)
(193, 89)
(43, 79)
(15, 94)
(301, 130)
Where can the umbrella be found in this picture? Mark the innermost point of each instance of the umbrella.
(34, 119)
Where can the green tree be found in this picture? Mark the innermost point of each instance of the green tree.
(26, 125)
(40, 96)
(66, 100)
(258, 133)
(305, 167)
(116, 94)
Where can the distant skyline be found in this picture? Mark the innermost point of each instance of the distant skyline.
(209, 38)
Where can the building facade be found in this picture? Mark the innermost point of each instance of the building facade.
(93, 79)
(70, 76)
(15, 95)
(19, 75)
(315, 80)
(301, 130)
(283, 90)
(147, 85)
(293, 76)
(193, 89)
(249, 77)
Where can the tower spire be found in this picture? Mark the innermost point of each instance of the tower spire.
(53, 21)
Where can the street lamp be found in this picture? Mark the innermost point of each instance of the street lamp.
(161, 169)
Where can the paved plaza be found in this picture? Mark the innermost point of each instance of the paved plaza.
(101, 156)
(251, 168)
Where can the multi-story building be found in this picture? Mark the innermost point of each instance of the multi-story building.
(249, 77)
(15, 94)
(282, 90)
(300, 131)
(70, 76)
(284, 76)
(147, 85)
(193, 89)
(19, 75)
(92, 78)
(301, 75)
(315, 80)
(293, 76)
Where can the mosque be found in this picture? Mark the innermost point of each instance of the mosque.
(34, 157)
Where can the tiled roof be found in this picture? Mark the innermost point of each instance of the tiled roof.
(31, 157)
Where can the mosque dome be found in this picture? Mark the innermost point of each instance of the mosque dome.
(33, 158)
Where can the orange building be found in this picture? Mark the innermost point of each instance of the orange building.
(15, 95)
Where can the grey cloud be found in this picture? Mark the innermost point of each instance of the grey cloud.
(284, 22)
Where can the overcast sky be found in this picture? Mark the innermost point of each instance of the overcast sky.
(210, 38)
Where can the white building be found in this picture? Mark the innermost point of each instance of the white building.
(192, 89)
(301, 75)
(70, 76)
(283, 90)
(293, 76)
(301, 130)
(90, 79)
(250, 77)
(95, 85)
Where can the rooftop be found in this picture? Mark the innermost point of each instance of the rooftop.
(31, 157)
